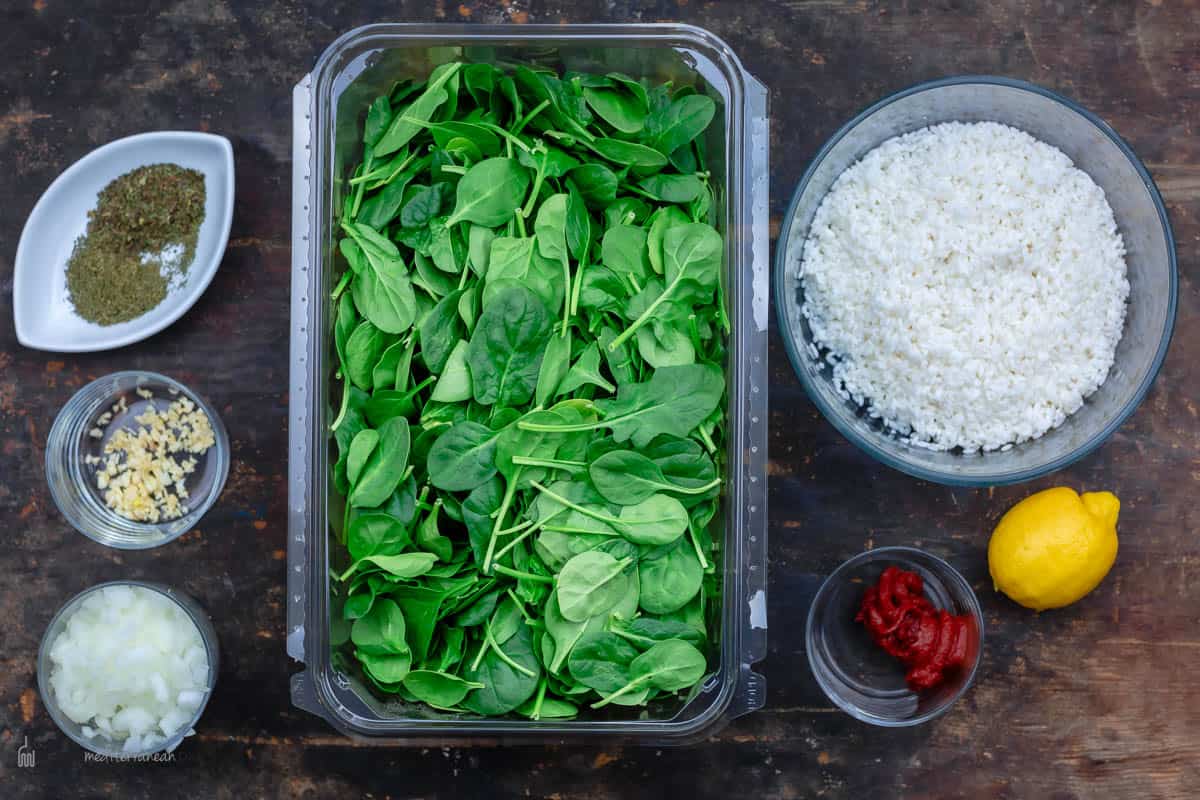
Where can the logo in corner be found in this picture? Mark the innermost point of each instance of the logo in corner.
(26, 756)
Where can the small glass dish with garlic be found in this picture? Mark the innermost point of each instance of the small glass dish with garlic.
(135, 459)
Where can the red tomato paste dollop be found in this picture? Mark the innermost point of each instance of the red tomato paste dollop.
(932, 643)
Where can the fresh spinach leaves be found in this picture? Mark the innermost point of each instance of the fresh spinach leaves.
(529, 331)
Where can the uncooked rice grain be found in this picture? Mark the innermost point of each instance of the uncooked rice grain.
(967, 284)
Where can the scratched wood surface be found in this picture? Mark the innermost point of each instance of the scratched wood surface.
(1099, 700)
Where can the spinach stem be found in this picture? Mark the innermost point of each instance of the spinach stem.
(520, 221)
(508, 137)
(706, 439)
(641, 642)
(516, 529)
(520, 606)
(413, 392)
(587, 512)
(566, 299)
(646, 315)
(454, 169)
(484, 647)
(537, 185)
(577, 289)
(509, 492)
(410, 345)
(671, 487)
(358, 196)
(721, 312)
(504, 550)
(570, 428)
(696, 546)
(466, 273)
(350, 571)
(342, 283)
(624, 690)
(525, 120)
(694, 332)
(567, 529)
(721, 315)
(525, 576)
(536, 714)
(345, 402)
(582, 134)
(374, 174)
(632, 189)
(491, 639)
(551, 463)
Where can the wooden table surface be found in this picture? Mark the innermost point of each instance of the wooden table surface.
(1098, 700)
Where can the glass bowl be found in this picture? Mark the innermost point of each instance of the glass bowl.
(74, 730)
(71, 444)
(853, 671)
(1141, 218)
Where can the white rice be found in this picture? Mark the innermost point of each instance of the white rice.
(968, 283)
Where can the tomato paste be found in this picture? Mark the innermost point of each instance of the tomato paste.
(932, 643)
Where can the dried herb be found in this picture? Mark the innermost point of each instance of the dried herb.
(140, 241)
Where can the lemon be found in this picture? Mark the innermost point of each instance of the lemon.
(1054, 547)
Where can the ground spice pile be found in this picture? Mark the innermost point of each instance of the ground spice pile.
(140, 241)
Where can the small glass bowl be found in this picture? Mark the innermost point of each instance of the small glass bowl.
(857, 674)
(74, 730)
(72, 480)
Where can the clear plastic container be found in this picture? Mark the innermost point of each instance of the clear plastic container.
(329, 105)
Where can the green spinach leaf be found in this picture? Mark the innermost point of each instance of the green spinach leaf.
(410, 121)
(490, 193)
(678, 123)
(505, 352)
(384, 468)
(463, 457)
(591, 583)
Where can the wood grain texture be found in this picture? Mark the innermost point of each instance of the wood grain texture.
(1099, 700)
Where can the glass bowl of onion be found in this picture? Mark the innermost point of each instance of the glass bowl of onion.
(126, 668)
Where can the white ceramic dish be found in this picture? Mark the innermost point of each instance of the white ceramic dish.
(44, 317)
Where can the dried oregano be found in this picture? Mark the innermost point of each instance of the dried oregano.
(140, 241)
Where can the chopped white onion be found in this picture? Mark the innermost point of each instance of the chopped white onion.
(130, 666)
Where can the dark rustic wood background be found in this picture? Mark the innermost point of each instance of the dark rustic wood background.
(1098, 700)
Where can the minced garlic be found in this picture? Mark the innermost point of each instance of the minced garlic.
(143, 472)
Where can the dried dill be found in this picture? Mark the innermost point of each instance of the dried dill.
(140, 241)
